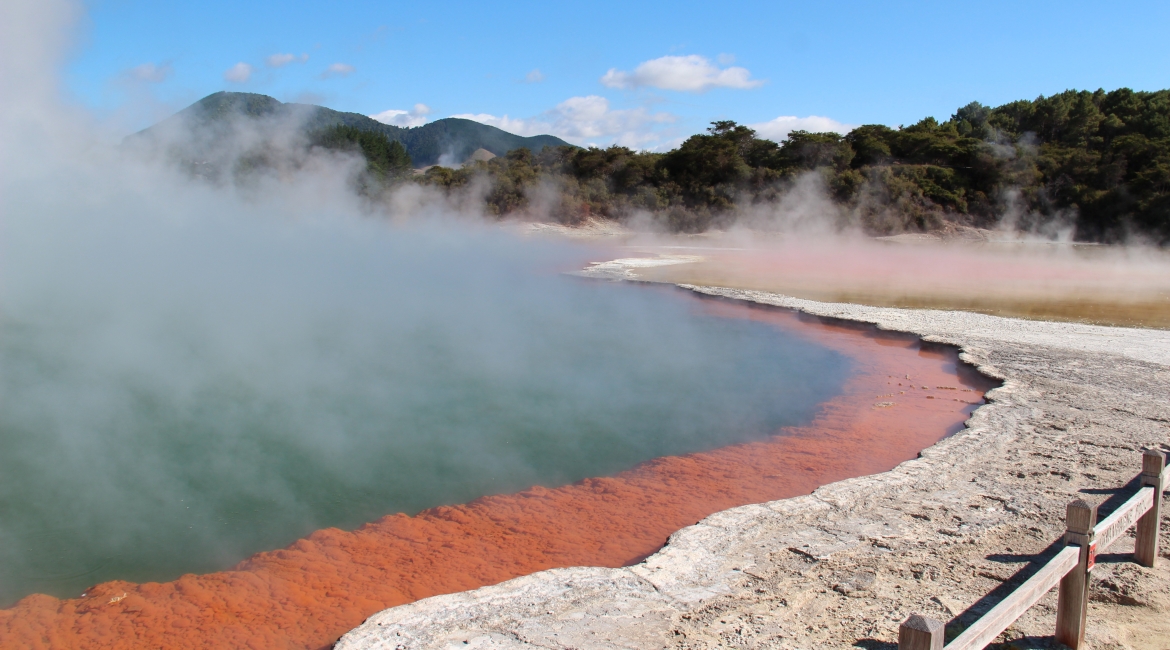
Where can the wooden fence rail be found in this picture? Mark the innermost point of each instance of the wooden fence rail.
(1084, 537)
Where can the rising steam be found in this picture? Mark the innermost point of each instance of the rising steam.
(191, 372)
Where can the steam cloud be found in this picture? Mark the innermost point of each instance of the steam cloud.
(179, 360)
(271, 331)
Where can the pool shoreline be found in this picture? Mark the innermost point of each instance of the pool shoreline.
(843, 566)
(305, 594)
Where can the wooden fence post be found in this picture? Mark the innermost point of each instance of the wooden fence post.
(1146, 549)
(920, 633)
(1073, 606)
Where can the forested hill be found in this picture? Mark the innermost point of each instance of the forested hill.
(1097, 160)
(209, 118)
(1093, 164)
(1096, 164)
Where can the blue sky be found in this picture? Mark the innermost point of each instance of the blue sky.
(641, 74)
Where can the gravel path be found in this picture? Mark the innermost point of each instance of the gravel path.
(945, 535)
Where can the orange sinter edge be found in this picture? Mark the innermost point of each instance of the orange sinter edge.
(903, 397)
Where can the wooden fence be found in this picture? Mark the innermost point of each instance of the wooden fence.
(1084, 538)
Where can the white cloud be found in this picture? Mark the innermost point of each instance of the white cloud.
(239, 73)
(337, 70)
(150, 73)
(534, 77)
(280, 60)
(586, 121)
(779, 128)
(691, 73)
(519, 126)
(416, 116)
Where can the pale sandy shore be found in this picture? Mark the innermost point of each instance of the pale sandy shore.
(945, 535)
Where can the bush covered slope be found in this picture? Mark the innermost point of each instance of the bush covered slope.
(1094, 162)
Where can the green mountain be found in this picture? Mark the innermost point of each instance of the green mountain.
(208, 122)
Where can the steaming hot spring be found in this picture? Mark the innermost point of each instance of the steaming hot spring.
(183, 397)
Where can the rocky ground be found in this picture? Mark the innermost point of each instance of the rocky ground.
(946, 535)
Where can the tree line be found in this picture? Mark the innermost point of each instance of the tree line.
(1096, 162)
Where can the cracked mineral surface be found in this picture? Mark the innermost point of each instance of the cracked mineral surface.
(946, 535)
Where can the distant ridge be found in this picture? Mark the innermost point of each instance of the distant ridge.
(452, 137)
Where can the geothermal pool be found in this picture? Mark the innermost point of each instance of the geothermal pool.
(900, 397)
(144, 445)
(400, 414)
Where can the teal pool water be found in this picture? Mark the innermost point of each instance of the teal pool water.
(178, 410)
